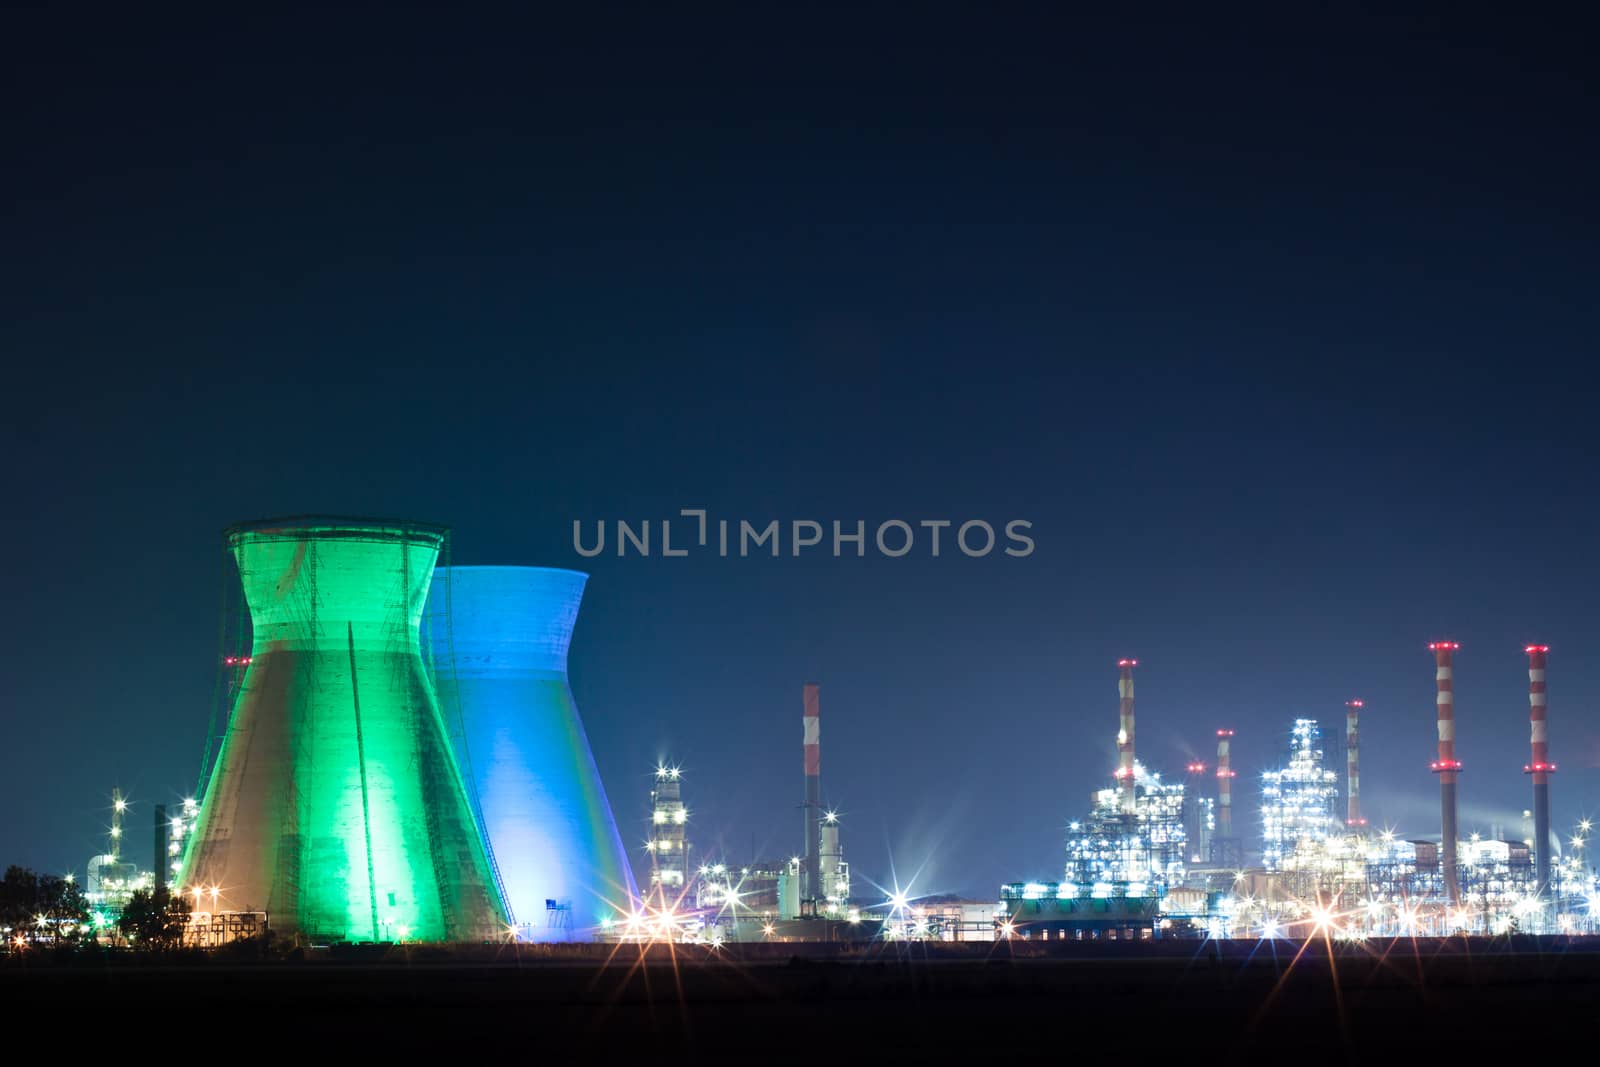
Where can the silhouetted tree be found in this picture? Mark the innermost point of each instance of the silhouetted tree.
(42, 909)
(148, 924)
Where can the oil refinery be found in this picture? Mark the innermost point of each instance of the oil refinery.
(1134, 868)
(402, 760)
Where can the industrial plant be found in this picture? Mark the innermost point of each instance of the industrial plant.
(1149, 861)
(805, 897)
(401, 759)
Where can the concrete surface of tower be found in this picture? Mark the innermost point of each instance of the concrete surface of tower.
(336, 805)
(496, 640)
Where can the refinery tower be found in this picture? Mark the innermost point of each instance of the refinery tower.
(335, 805)
(496, 640)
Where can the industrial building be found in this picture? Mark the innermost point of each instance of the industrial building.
(1139, 867)
(495, 640)
(1298, 802)
(402, 759)
(1121, 858)
(1355, 883)
(822, 889)
(724, 889)
(805, 897)
(1057, 911)
(943, 918)
(1130, 852)
(112, 879)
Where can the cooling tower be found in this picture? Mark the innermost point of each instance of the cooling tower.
(335, 805)
(497, 638)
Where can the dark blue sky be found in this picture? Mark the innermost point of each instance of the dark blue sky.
(1280, 330)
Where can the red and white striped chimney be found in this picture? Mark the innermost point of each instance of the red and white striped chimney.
(1447, 767)
(811, 882)
(1541, 768)
(1352, 748)
(1224, 786)
(1125, 737)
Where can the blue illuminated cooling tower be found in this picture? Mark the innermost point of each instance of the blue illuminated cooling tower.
(497, 638)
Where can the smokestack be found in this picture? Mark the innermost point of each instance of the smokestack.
(1447, 767)
(811, 875)
(1125, 736)
(1541, 768)
(1197, 835)
(1224, 791)
(163, 863)
(1352, 748)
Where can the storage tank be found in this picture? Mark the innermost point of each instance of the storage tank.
(497, 639)
(336, 806)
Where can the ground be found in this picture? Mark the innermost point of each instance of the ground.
(826, 1003)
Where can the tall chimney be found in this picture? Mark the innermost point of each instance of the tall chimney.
(162, 867)
(1197, 835)
(1125, 737)
(1224, 795)
(1541, 768)
(811, 876)
(1447, 767)
(1352, 748)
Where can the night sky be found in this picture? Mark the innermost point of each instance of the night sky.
(1279, 329)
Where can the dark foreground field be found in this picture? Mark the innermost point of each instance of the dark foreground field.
(822, 1003)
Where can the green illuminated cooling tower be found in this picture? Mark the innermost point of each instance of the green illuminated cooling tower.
(335, 805)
